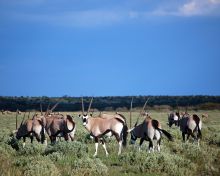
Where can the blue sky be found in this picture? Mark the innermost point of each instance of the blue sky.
(117, 47)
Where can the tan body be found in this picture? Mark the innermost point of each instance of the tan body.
(63, 126)
(101, 125)
(31, 128)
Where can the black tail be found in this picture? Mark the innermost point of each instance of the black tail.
(124, 135)
(168, 135)
(197, 120)
(155, 124)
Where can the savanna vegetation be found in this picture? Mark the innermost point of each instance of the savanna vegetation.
(76, 158)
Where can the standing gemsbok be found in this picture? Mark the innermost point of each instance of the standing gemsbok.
(148, 130)
(191, 125)
(58, 125)
(99, 126)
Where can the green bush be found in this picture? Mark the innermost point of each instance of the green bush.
(4, 135)
(157, 163)
(73, 149)
(56, 156)
(31, 149)
(88, 166)
(36, 166)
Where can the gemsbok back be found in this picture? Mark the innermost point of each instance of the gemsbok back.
(191, 125)
(99, 126)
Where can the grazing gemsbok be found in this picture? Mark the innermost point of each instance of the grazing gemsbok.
(31, 128)
(173, 118)
(60, 126)
(191, 125)
(99, 126)
(148, 130)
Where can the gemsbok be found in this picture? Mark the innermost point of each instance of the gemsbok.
(60, 126)
(173, 118)
(31, 128)
(148, 130)
(191, 125)
(99, 126)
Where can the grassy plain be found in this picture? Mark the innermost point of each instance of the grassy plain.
(76, 158)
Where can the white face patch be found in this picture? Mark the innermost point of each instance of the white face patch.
(84, 118)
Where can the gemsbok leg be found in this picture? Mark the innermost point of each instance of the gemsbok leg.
(151, 146)
(158, 138)
(24, 139)
(183, 136)
(104, 146)
(141, 142)
(96, 146)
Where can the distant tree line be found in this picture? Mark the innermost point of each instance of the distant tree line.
(107, 103)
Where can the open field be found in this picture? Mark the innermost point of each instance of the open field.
(76, 158)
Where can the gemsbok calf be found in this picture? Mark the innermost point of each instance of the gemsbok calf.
(191, 125)
(99, 126)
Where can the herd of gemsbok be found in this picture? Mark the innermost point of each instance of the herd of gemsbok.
(57, 125)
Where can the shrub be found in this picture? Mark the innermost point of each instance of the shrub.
(36, 166)
(31, 149)
(157, 163)
(88, 166)
(4, 135)
(74, 149)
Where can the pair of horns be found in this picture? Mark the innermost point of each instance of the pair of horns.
(48, 108)
(90, 104)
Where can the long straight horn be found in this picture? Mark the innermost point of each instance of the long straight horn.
(41, 111)
(23, 118)
(46, 113)
(29, 114)
(141, 112)
(90, 104)
(82, 106)
(131, 110)
(145, 105)
(16, 119)
(54, 106)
